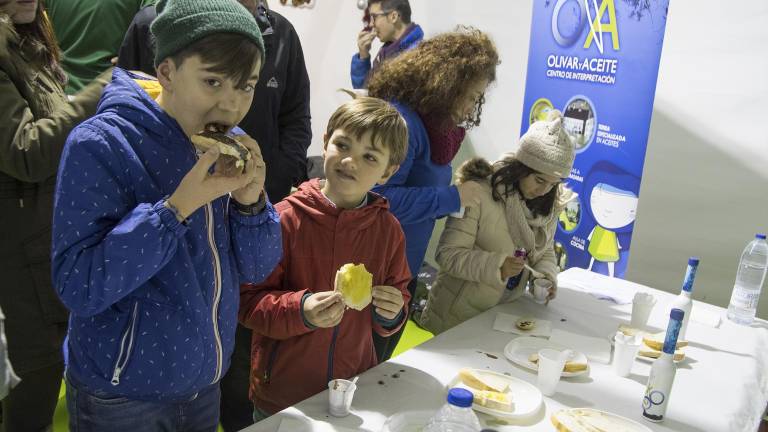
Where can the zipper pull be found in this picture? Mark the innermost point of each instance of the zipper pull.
(116, 376)
(21, 202)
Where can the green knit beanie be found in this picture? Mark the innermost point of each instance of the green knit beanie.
(180, 23)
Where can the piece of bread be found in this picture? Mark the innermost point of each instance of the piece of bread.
(228, 146)
(569, 365)
(355, 285)
(526, 323)
(646, 351)
(493, 400)
(586, 420)
(486, 382)
(631, 331)
(656, 341)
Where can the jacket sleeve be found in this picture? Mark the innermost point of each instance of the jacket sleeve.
(256, 242)
(294, 117)
(399, 276)
(457, 255)
(413, 204)
(359, 69)
(547, 264)
(30, 147)
(271, 310)
(105, 245)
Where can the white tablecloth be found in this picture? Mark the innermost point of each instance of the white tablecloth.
(722, 386)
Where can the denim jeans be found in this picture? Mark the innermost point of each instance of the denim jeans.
(90, 412)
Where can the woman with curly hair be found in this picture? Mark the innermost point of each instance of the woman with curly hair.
(439, 88)
(517, 207)
(35, 119)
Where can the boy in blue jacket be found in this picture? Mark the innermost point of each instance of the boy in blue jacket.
(151, 240)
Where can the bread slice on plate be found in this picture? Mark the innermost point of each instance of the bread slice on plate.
(656, 341)
(592, 420)
(486, 382)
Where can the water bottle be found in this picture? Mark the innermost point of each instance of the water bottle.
(456, 415)
(749, 281)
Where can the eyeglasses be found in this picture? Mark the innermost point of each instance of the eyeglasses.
(375, 15)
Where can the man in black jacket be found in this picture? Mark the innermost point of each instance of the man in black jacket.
(279, 120)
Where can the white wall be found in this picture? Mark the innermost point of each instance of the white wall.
(705, 184)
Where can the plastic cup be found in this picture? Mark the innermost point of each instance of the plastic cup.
(625, 349)
(541, 289)
(340, 393)
(551, 363)
(642, 305)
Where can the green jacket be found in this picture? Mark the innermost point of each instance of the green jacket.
(89, 33)
(35, 119)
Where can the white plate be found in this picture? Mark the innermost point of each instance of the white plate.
(526, 398)
(626, 425)
(408, 421)
(519, 349)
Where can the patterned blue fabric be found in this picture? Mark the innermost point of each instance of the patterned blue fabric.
(148, 319)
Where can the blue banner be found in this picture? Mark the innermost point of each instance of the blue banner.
(597, 61)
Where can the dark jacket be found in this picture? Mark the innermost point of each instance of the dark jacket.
(35, 118)
(153, 301)
(279, 116)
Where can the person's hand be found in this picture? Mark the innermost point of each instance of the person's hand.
(364, 42)
(199, 186)
(469, 193)
(251, 192)
(388, 301)
(511, 267)
(113, 60)
(324, 309)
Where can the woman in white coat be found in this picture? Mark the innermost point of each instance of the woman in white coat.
(517, 208)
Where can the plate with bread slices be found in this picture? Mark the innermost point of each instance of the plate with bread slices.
(499, 395)
(652, 344)
(524, 351)
(592, 420)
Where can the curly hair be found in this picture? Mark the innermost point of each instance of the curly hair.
(432, 77)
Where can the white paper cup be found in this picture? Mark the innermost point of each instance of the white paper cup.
(541, 289)
(550, 369)
(624, 352)
(642, 305)
(340, 393)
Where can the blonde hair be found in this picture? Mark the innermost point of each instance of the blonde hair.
(367, 114)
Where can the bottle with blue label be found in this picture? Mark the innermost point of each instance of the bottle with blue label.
(684, 302)
(663, 372)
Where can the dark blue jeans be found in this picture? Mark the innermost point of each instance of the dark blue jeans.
(94, 412)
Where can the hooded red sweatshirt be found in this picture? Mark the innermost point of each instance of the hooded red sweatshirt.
(289, 360)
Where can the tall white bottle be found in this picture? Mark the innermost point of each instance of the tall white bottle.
(684, 301)
(663, 372)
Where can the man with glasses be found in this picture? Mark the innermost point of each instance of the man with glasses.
(390, 21)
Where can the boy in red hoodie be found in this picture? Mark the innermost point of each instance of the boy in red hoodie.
(303, 336)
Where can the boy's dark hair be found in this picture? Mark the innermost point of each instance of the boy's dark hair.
(228, 54)
(366, 114)
(401, 6)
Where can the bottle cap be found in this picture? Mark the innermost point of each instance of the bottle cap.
(677, 314)
(693, 261)
(760, 236)
(460, 397)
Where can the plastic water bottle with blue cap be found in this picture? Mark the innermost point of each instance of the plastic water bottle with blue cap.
(749, 281)
(456, 415)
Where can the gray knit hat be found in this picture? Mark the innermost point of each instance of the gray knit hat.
(546, 148)
(179, 23)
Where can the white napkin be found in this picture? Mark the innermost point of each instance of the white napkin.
(596, 349)
(597, 285)
(506, 323)
(705, 316)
